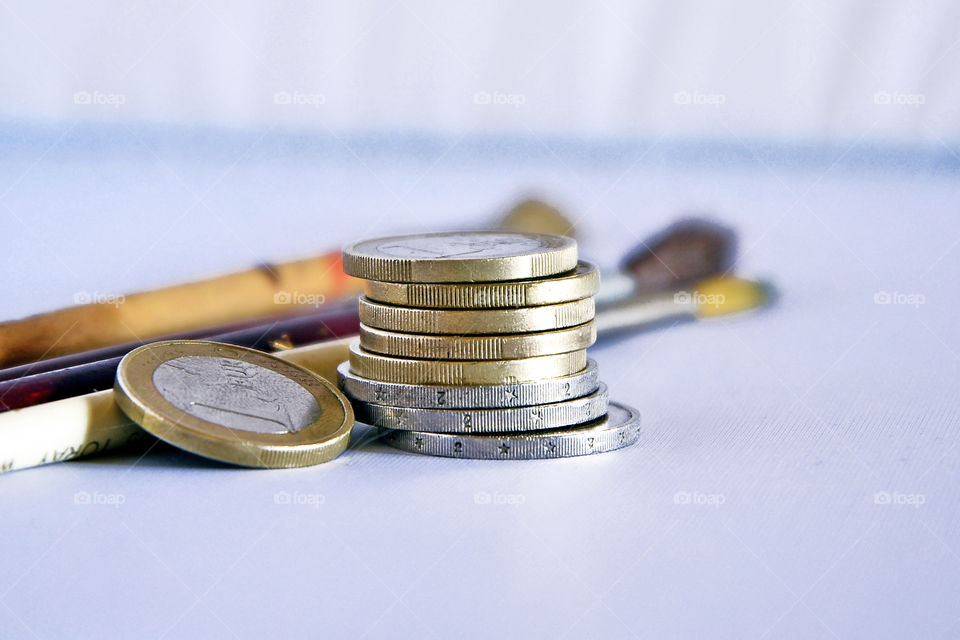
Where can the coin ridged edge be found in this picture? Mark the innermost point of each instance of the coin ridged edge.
(372, 267)
(483, 347)
(583, 283)
(476, 321)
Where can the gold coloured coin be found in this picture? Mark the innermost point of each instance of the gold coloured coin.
(464, 372)
(501, 347)
(233, 404)
(466, 256)
(581, 283)
(475, 321)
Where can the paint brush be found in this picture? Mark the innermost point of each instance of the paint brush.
(710, 298)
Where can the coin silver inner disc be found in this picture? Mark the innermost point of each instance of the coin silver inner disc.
(236, 394)
(455, 246)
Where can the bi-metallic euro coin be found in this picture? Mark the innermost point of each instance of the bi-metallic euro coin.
(475, 321)
(465, 256)
(233, 404)
(463, 372)
(566, 287)
(502, 347)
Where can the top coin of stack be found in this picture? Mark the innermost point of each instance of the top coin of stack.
(479, 334)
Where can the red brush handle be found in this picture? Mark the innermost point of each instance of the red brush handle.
(77, 374)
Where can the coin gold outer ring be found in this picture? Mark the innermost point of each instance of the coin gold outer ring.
(323, 440)
(555, 254)
(485, 421)
(476, 321)
(502, 347)
(618, 429)
(493, 396)
(463, 372)
(584, 282)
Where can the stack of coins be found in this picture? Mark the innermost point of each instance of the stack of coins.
(473, 345)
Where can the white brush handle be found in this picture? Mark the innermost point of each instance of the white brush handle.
(80, 426)
(643, 311)
(63, 430)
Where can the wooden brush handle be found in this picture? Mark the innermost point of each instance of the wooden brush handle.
(268, 290)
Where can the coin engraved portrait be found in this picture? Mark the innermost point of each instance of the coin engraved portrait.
(459, 246)
(236, 394)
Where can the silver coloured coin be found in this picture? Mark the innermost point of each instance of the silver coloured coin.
(236, 394)
(618, 429)
(506, 420)
(494, 396)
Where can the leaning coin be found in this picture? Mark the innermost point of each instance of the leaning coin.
(233, 404)
(503, 347)
(407, 370)
(521, 394)
(475, 321)
(506, 420)
(469, 256)
(618, 429)
(579, 284)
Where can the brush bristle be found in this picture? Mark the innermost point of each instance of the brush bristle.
(724, 295)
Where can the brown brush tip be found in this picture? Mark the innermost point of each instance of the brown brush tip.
(684, 253)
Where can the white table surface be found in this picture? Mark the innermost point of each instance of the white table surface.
(749, 509)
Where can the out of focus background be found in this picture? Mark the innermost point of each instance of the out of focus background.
(151, 143)
(793, 72)
(797, 475)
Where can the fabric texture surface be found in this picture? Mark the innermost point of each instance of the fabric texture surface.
(796, 477)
